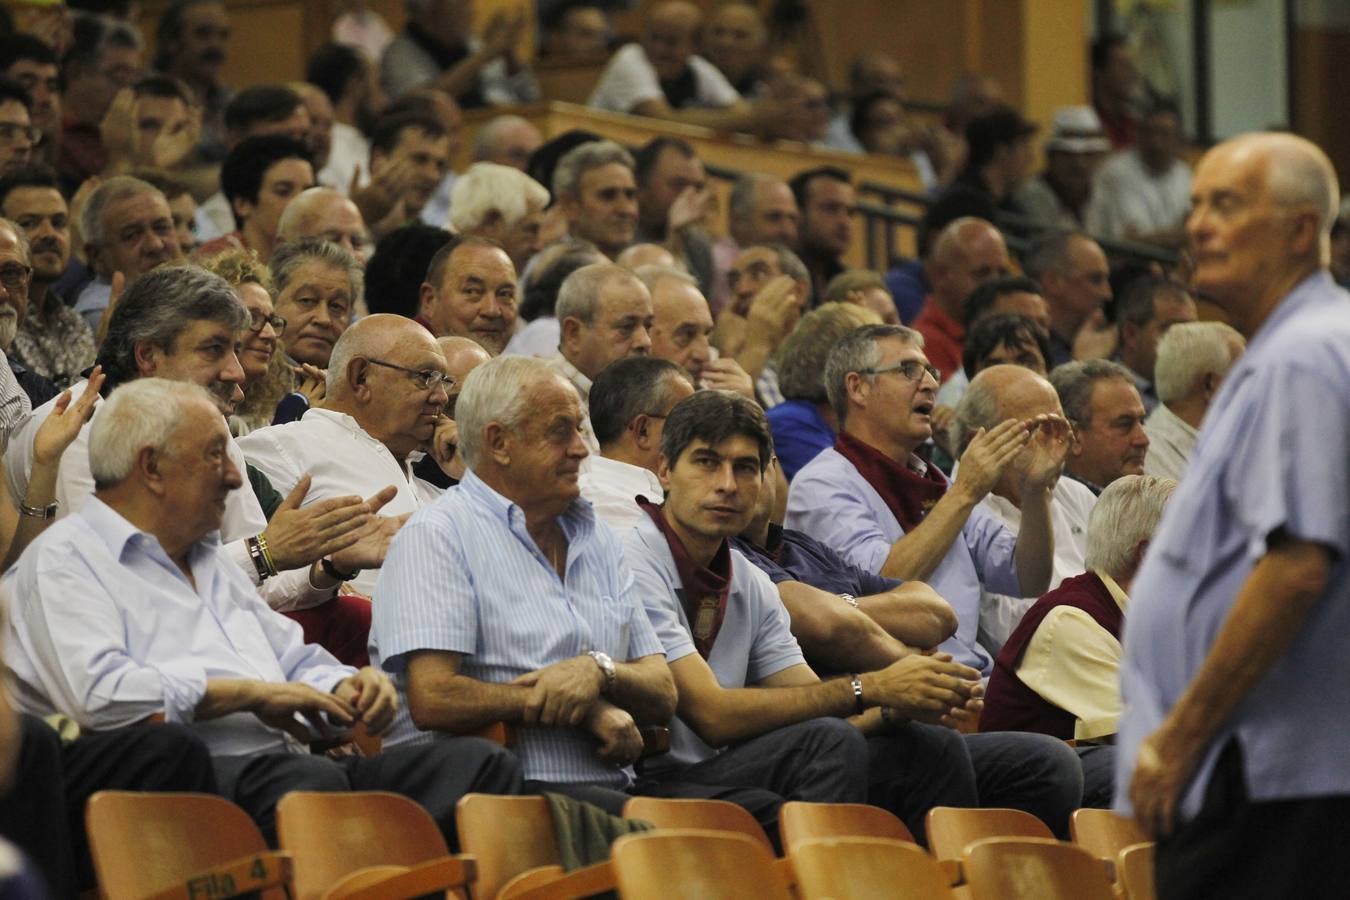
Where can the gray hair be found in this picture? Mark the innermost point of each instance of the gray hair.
(25, 251)
(579, 296)
(289, 257)
(850, 280)
(1073, 381)
(1050, 251)
(496, 391)
(488, 187)
(1305, 177)
(581, 159)
(119, 187)
(741, 203)
(1190, 350)
(856, 351)
(139, 414)
(801, 359)
(157, 307)
(651, 276)
(978, 408)
(1126, 513)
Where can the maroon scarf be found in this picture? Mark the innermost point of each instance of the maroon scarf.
(703, 590)
(907, 494)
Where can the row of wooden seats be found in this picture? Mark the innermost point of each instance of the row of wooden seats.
(383, 845)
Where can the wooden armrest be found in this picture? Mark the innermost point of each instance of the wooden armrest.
(951, 870)
(397, 882)
(369, 744)
(499, 733)
(783, 866)
(247, 875)
(655, 740)
(552, 883)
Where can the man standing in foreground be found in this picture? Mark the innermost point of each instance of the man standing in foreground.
(1232, 746)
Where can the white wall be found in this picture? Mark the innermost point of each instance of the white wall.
(1249, 81)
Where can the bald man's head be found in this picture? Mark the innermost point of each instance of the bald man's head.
(968, 252)
(322, 212)
(377, 336)
(668, 40)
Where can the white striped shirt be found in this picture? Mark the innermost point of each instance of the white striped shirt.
(463, 575)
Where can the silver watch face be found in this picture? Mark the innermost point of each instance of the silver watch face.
(602, 659)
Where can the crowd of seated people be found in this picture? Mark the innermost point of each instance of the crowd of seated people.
(304, 428)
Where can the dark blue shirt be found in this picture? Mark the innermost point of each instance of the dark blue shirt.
(796, 556)
(799, 433)
(909, 287)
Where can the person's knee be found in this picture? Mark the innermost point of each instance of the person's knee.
(171, 757)
(836, 739)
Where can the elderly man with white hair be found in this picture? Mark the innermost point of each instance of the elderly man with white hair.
(130, 609)
(502, 204)
(386, 392)
(20, 388)
(1059, 671)
(1192, 360)
(322, 212)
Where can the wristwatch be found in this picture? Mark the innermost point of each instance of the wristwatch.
(606, 666)
(333, 572)
(39, 512)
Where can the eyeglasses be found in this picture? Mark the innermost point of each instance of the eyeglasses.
(14, 275)
(912, 369)
(426, 379)
(257, 320)
(10, 132)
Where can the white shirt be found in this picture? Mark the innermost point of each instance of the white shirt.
(560, 364)
(244, 517)
(106, 629)
(350, 151)
(613, 486)
(14, 403)
(539, 337)
(214, 218)
(341, 459)
(630, 80)
(1127, 196)
(1170, 442)
(1070, 505)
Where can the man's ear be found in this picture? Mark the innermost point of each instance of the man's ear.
(243, 208)
(1129, 334)
(641, 431)
(856, 388)
(147, 357)
(427, 299)
(570, 331)
(358, 377)
(497, 443)
(147, 467)
(663, 473)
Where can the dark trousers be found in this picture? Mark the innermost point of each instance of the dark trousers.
(43, 812)
(917, 767)
(1237, 848)
(1099, 774)
(820, 760)
(436, 775)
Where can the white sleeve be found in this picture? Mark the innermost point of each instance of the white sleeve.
(628, 80)
(714, 91)
(14, 402)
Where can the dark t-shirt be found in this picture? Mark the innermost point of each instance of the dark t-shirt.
(794, 556)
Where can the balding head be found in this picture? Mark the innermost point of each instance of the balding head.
(372, 337)
(507, 141)
(967, 253)
(640, 255)
(1285, 191)
(321, 212)
(462, 355)
(668, 39)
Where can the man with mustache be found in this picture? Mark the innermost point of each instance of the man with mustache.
(15, 272)
(1102, 403)
(190, 44)
(386, 393)
(183, 323)
(53, 340)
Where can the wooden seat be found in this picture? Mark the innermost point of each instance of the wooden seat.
(690, 862)
(862, 868)
(951, 829)
(165, 845)
(708, 815)
(365, 843)
(1134, 871)
(516, 850)
(1103, 833)
(798, 822)
(1034, 869)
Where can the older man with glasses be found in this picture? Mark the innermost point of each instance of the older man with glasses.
(387, 389)
(873, 499)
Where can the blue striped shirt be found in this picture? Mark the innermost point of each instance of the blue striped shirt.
(463, 575)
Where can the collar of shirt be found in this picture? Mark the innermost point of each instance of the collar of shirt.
(564, 367)
(577, 522)
(122, 537)
(1310, 291)
(1113, 588)
(350, 425)
(1170, 421)
(617, 475)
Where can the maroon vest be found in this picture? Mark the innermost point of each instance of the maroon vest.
(1009, 705)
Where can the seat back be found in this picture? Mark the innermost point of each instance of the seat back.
(951, 829)
(1103, 833)
(331, 835)
(1034, 869)
(143, 843)
(708, 815)
(507, 835)
(860, 868)
(689, 862)
(1134, 871)
(799, 821)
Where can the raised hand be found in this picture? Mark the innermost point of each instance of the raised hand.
(62, 427)
(691, 207)
(297, 537)
(727, 375)
(989, 453)
(311, 381)
(1043, 456)
(774, 311)
(175, 140)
